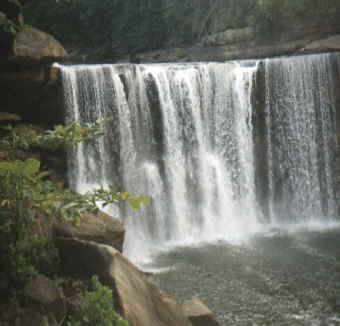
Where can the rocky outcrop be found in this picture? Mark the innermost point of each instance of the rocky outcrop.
(100, 228)
(230, 36)
(328, 44)
(198, 313)
(29, 84)
(32, 90)
(34, 44)
(246, 44)
(135, 297)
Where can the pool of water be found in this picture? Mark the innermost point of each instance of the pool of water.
(279, 278)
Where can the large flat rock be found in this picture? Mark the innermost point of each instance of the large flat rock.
(100, 228)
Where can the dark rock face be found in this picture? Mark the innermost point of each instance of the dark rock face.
(34, 44)
(100, 228)
(28, 82)
(135, 297)
(46, 298)
(32, 90)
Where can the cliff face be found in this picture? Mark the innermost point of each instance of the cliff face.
(28, 82)
(245, 44)
(31, 90)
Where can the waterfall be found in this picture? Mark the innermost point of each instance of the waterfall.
(184, 135)
(301, 123)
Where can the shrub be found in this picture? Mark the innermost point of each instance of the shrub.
(97, 308)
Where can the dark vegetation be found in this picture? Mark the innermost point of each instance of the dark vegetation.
(112, 28)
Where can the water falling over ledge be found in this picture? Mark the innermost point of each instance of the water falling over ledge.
(189, 135)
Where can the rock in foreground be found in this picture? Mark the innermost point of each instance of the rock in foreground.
(136, 298)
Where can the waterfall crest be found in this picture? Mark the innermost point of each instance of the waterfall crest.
(184, 135)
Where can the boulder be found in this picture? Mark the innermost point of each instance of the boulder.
(328, 44)
(46, 297)
(100, 228)
(198, 313)
(135, 297)
(35, 44)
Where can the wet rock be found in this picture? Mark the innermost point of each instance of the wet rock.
(198, 313)
(136, 298)
(100, 228)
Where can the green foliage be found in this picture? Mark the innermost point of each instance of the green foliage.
(97, 308)
(29, 201)
(24, 248)
(71, 134)
(8, 25)
(24, 137)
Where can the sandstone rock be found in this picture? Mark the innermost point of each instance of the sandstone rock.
(35, 44)
(328, 44)
(100, 228)
(199, 314)
(46, 297)
(135, 297)
(9, 117)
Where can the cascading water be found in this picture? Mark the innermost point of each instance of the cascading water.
(183, 134)
(301, 124)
